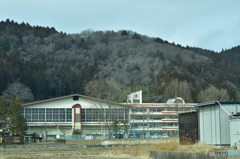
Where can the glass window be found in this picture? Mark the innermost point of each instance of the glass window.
(34, 114)
(95, 116)
(42, 115)
(28, 114)
(156, 117)
(159, 109)
(69, 115)
(83, 115)
(49, 115)
(137, 117)
(55, 115)
(62, 115)
(88, 115)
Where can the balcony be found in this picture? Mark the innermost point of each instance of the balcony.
(141, 128)
(155, 113)
(154, 121)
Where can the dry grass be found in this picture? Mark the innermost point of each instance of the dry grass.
(85, 142)
(162, 145)
(75, 149)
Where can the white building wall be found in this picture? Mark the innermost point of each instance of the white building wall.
(68, 103)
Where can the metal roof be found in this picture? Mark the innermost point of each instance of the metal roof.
(185, 112)
(216, 103)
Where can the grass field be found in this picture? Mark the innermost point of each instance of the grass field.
(79, 149)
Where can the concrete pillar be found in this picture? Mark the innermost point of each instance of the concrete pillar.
(77, 119)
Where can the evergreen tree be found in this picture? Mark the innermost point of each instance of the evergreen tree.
(3, 110)
(16, 122)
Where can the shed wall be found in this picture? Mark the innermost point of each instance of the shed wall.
(214, 126)
(188, 128)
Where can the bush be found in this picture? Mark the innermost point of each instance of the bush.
(62, 141)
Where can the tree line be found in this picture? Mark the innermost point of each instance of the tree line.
(51, 64)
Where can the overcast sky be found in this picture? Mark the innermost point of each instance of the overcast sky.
(209, 24)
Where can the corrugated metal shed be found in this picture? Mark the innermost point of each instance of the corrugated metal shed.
(188, 127)
(213, 120)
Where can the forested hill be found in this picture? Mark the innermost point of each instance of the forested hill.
(53, 64)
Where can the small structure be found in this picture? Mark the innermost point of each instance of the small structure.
(3, 133)
(177, 100)
(235, 130)
(31, 138)
(8, 140)
(213, 121)
(188, 127)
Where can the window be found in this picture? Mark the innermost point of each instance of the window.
(69, 115)
(56, 115)
(41, 115)
(95, 116)
(101, 115)
(83, 115)
(62, 115)
(137, 117)
(139, 110)
(48, 115)
(156, 117)
(35, 115)
(75, 98)
(28, 114)
(160, 109)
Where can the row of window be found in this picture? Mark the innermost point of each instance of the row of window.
(150, 110)
(88, 114)
(65, 115)
(102, 115)
(48, 114)
(153, 125)
(139, 117)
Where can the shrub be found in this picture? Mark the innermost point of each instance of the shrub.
(62, 141)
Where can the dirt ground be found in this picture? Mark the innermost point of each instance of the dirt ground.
(118, 149)
(70, 150)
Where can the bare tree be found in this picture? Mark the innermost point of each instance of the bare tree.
(18, 90)
(103, 89)
(213, 94)
(178, 89)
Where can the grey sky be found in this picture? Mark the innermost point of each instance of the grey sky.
(209, 24)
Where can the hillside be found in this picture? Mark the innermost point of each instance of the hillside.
(53, 63)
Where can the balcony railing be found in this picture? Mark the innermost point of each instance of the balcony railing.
(154, 121)
(155, 113)
(141, 128)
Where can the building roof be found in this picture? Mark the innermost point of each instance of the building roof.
(216, 103)
(161, 104)
(82, 96)
(2, 121)
(186, 112)
(4, 132)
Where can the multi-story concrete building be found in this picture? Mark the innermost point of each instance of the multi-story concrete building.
(154, 119)
(77, 114)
